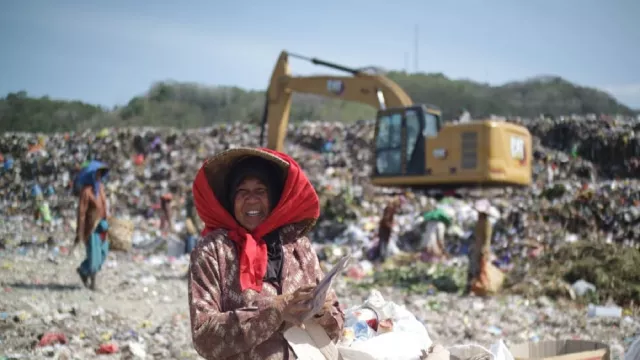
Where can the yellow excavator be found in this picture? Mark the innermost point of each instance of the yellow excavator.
(412, 145)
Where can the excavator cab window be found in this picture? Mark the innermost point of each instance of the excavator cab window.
(431, 124)
(401, 136)
(414, 141)
(413, 130)
(389, 144)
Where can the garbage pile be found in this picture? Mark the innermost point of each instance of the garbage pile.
(567, 202)
(604, 269)
(613, 145)
(568, 205)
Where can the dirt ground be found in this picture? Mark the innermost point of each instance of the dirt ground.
(142, 308)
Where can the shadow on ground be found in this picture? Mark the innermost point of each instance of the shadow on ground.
(49, 286)
(172, 277)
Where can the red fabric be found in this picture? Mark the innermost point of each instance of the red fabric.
(298, 202)
(52, 339)
(109, 348)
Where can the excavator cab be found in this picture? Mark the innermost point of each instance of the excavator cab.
(400, 139)
(414, 148)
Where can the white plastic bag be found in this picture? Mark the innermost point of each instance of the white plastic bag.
(396, 345)
(634, 351)
(500, 351)
(406, 342)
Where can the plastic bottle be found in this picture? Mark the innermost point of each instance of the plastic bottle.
(604, 311)
(363, 331)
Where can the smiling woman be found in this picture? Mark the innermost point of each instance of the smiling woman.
(255, 186)
(253, 274)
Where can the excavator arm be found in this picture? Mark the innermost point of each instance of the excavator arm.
(375, 90)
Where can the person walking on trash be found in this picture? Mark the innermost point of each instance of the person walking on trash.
(480, 254)
(166, 216)
(381, 251)
(92, 223)
(433, 247)
(252, 274)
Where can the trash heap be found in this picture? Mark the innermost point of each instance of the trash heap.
(606, 268)
(567, 201)
(578, 213)
(612, 144)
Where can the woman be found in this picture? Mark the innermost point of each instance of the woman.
(253, 272)
(92, 224)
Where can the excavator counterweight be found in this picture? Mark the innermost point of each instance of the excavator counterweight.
(413, 147)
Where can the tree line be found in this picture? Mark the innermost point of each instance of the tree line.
(186, 105)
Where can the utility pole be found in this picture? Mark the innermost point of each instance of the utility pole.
(416, 58)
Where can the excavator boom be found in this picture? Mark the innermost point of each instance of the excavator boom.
(377, 91)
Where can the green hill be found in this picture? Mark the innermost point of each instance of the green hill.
(194, 105)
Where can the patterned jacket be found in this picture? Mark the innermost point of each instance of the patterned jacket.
(227, 323)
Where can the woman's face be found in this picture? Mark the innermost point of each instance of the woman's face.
(251, 203)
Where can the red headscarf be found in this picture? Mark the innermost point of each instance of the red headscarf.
(298, 202)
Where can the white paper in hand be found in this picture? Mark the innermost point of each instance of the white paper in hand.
(320, 292)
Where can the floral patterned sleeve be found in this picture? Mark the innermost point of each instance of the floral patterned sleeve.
(332, 319)
(220, 334)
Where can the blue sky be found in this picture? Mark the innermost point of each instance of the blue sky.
(105, 52)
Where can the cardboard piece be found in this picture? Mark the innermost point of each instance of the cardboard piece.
(311, 343)
(561, 350)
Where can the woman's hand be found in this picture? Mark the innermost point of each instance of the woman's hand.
(297, 305)
(326, 308)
